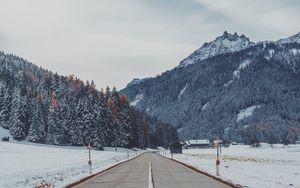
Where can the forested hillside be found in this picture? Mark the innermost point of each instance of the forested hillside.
(229, 88)
(39, 106)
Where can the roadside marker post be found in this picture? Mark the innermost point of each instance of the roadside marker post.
(90, 157)
(218, 162)
(217, 145)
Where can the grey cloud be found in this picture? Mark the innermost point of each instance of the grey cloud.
(113, 41)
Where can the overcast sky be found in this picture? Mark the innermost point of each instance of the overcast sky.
(114, 41)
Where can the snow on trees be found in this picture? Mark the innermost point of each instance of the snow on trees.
(37, 123)
(39, 106)
(18, 119)
(5, 108)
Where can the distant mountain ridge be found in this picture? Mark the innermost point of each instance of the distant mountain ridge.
(230, 88)
(294, 38)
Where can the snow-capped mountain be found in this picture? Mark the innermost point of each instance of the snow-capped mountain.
(223, 44)
(291, 39)
(244, 91)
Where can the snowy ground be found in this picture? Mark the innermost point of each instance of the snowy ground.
(265, 167)
(5, 132)
(24, 165)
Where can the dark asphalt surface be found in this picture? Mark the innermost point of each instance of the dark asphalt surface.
(165, 173)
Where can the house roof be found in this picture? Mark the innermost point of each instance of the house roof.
(176, 143)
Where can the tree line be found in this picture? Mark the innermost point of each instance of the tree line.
(39, 106)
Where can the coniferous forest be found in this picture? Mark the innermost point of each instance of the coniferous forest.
(213, 97)
(39, 106)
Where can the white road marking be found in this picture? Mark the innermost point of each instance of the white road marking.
(150, 180)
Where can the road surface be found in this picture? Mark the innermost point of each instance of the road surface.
(165, 174)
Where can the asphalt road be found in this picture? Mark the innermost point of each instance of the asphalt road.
(165, 174)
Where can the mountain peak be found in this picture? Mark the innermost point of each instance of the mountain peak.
(232, 37)
(222, 44)
(225, 33)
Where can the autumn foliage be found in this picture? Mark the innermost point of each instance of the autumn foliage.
(53, 102)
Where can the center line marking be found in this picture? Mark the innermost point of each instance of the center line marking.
(150, 180)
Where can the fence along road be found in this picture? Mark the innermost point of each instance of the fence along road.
(165, 174)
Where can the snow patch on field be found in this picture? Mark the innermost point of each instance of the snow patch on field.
(5, 132)
(269, 166)
(246, 113)
(24, 165)
(137, 99)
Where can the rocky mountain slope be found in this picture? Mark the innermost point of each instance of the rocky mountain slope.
(221, 45)
(230, 88)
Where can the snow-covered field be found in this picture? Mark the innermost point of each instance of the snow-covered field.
(23, 165)
(263, 167)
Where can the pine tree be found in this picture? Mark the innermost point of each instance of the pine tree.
(63, 117)
(88, 121)
(125, 136)
(92, 121)
(2, 88)
(104, 120)
(76, 131)
(73, 132)
(53, 126)
(113, 103)
(97, 134)
(5, 111)
(37, 130)
(18, 128)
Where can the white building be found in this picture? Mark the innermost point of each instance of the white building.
(198, 143)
